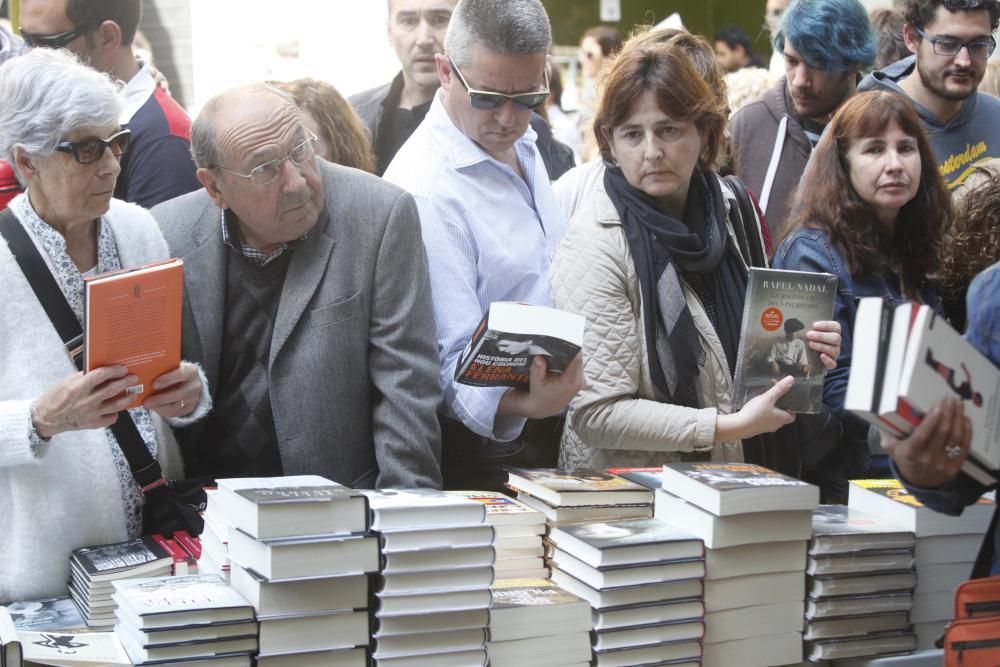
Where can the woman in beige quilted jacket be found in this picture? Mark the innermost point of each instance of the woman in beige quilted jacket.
(649, 259)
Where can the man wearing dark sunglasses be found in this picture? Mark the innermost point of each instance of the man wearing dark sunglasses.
(158, 165)
(490, 224)
(951, 41)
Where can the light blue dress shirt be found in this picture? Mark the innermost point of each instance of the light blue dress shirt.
(490, 236)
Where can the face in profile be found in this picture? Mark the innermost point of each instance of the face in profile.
(815, 93)
(657, 153)
(885, 170)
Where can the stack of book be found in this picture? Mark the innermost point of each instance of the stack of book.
(433, 591)
(534, 623)
(574, 496)
(214, 557)
(946, 547)
(195, 618)
(517, 538)
(296, 539)
(859, 564)
(94, 569)
(655, 571)
(755, 524)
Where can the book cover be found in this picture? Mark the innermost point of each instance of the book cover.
(45, 615)
(501, 509)
(577, 487)
(516, 593)
(167, 595)
(889, 499)
(738, 488)
(781, 306)
(651, 478)
(133, 318)
(611, 543)
(872, 330)
(508, 339)
(55, 648)
(134, 556)
(841, 529)
(409, 509)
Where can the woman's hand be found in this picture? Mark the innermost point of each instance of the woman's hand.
(758, 416)
(934, 453)
(83, 401)
(825, 338)
(177, 392)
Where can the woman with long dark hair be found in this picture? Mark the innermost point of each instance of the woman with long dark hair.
(870, 209)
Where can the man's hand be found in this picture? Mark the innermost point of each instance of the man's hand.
(83, 401)
(547, 394)
(934, 453)
(825, 338)
(177, 392)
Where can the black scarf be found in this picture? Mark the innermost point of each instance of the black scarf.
(664, 249)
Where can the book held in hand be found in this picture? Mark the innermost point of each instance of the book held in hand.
(781, 306)
(133, 318)
(508, 339)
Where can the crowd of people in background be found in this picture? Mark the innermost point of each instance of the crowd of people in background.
(340, 253)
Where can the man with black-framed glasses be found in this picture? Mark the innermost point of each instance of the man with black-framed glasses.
(158, 166)
(951, 41)
(491, 224)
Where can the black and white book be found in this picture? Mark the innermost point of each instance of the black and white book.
(135, 558)
(412, 509)
(561, 488)
(780, 307)
(436, 580)
(890, 500)
(298, 557)
(182, 652)
(508, 339)
(280, 598)
(420, 560)
(88, 649)
(524, 609)
(11, 654)
(165, 602)
(187, 633)
(267, 507)
(674, 653)
(431, 603)
(386, 626)
(839, 529)
(738, 488)
(434, 643)
(626, 542)
(467, 536)
(46, 615)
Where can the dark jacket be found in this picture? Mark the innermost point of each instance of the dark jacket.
(754, 131)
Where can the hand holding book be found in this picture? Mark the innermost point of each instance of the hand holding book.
(928, 458)
(759, 415)
(177, 392)
(547, 393)
(83, 401)
(825, 338)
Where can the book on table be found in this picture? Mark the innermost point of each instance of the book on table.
(858, 605)
(91, 649)
(780, 307)
(627, 575)
(559, 650)
(856, 626)
(502, 510)
(861, 562)
(301, 557)
(535, 608)
(280, 598)
(508, 339)
(133, 318)
(46, 615)
(168, 602)
(885, 643)
(648, 613)
(820, 587)
(314, 631)
(628, 596)
(558, 516)
(345, 657)
(723, 625)
(737, 488)
(751, 590)
(626, 542)
(889, 499)
(747, 559)
(10, 644)
(386, 626)
(266, 507)
(577, 487)
(839, 529)
(420, 560)
(412, 509)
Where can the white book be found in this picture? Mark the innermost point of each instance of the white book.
(560, 516)
(223, 647)
(401, 605)
(526, 530)
(887, 498)
(429, 643)
(76, 649)
(386, 626)
(173, 601)
(903, 317)
(729, 531)
(941, 577)
(502, 510)
(937, 606)
(725, 489)
(652, 655)
(856, 626)
(760, 651)
(295, 558)
(746, 622)
(628, 596)
(629, 575)
(857, 605)
(650, 613)
(870, 646)
(574, 488)
(626, 542)
(503, 553)
(183, 634)
(536, 608)
(747, 559)
(861, 563)
(820, 587)
(512, 564)
(540, 572)
(872, 328)
(480, 535)
(947, 549)
(314, 632)
(300, 595)
(431, 581)
(409, 509)
(446, 558)
(838, 529)
(352, 657)
(754, 590)
(473, 658)
(540, 651)
(648, 635)
(11, 654)
(297, 505)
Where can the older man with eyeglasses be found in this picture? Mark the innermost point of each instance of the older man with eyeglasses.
(490, 224)
(307, 301)
(951, 40)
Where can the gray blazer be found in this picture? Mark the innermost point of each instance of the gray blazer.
(353, 362)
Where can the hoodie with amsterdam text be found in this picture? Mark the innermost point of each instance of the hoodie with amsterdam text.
(968, 140)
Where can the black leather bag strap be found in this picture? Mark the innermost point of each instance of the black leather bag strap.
(749, 233)
(144, 467)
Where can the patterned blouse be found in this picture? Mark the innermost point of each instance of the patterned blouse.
(70, 281)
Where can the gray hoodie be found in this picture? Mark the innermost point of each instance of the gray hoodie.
(969, 139)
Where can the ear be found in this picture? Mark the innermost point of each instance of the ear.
(443, 70)
(108, 36)
(24, 165)
(210, 180)
(911, 38)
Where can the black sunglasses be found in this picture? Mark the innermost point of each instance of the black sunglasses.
(92, 150)
(57, 40)
(482, 99)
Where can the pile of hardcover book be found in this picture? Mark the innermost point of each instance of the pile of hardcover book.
(300, 553)
(517, 538)
(755, 524)
(534, 623)
(644, 580)
(94, 569)
(860, 586)
(214, 556)
(946, 547)
(194, 618)
(573, 496)
(433, 590)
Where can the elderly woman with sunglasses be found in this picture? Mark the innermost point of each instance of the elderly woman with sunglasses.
(64, 482)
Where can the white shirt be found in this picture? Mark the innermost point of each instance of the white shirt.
(490, 236)
(576, 185)
(136, 93)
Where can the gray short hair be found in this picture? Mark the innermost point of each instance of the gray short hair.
(47, 94)
(510, 27)
(204, 139)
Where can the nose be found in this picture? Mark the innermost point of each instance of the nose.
(425, 36)
(800, 77)
(110, 164)
(893, 161)
(505, 114)
(291, 176)
(963, 58)
(651, 148)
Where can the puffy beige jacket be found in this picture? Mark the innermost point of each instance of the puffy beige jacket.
(615, 420)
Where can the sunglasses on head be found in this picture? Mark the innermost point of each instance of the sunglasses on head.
(482, 99)
(56, 40)
(92, 150)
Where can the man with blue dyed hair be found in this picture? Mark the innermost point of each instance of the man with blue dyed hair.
(825, 45)
(951, 41)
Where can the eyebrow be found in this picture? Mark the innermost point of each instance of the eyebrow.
(271, 151)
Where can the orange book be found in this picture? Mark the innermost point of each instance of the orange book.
(133, 318)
